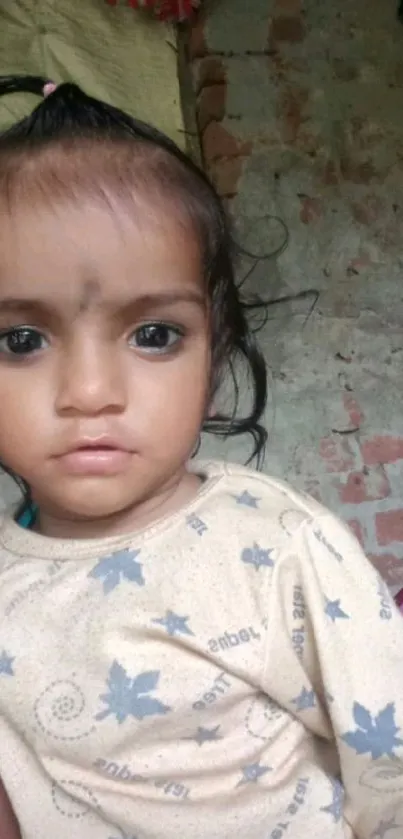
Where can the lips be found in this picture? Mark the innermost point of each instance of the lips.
(98, 443)
(95, 456)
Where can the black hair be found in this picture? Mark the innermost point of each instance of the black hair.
(68, 116)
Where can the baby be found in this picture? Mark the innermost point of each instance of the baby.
(187, 649)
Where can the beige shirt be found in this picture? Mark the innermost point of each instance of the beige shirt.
(210, 677)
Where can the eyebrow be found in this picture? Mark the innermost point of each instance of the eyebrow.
(144, 302)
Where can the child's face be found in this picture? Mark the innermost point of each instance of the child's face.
(114, 355)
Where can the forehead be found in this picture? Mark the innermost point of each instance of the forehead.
(87, 251)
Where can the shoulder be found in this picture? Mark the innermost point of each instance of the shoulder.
(267, 516)
(247, 501)
(255, 490)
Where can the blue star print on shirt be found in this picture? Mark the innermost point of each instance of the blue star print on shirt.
(374, 734)
(306, 699)
(252, 773)
(206, 735)
(174, 623)
(247, 500)
(6, 664)
(128, 697)
(335, 808)
(334, 611)
(119, 566)
(257, 556)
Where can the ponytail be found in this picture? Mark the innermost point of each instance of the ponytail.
(66, 112)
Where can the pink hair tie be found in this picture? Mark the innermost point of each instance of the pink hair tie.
(49, 88)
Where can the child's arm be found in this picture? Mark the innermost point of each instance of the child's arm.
(335, 661)
(8, 823)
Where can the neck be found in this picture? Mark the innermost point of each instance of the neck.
(170, 498)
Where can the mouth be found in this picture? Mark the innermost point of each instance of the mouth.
(101, 456)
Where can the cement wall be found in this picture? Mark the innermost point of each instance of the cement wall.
(300, 111)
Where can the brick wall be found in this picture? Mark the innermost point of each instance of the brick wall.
(362, 479)
(359, 475)
(222, 151)
(357, 470)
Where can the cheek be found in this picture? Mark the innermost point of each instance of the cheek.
(23, 414)
(171, 397)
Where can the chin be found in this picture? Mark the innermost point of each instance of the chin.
(94, 503)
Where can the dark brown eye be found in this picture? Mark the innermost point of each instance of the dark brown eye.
(155, 337)
(21, 341)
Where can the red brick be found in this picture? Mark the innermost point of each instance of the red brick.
(389, 527)
(310, 139)
(211, 105)
(219, 143)
(336, 454)
(359, 262)
(287, 29)
(368, 210)
(225, 175)
(210, 70)
(330, 174)
(399, 600)
(197, 46)
(311, 209)
(389, 566)
(368, 485)
(291, 107)
(356, 526)
(357, 172)
(382, 449)
(353, 409)
(279, 66)
(290, 8)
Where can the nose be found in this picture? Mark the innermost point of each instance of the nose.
(91, 381)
